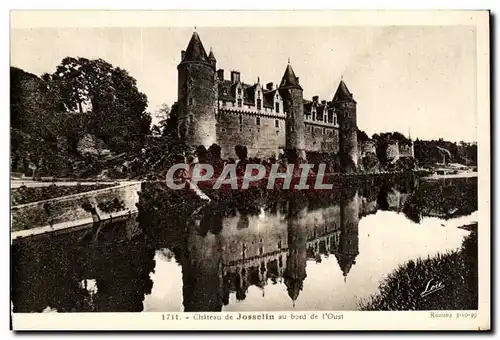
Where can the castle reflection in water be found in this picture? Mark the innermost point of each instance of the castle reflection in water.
(254, 238)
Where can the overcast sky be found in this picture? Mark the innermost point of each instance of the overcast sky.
(421, 78)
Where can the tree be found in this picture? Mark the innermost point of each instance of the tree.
(108, 95)
(362, 136)
(171, 123)
(36, 123)
(161, 114)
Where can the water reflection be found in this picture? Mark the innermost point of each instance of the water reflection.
(246, 252)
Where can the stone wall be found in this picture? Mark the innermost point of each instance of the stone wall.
(68, 211)
(262, 140)
(406, 151)
(392, 152)
(321, 139)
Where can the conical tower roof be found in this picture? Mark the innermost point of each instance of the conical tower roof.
(293, 287)
(342, 93)
(289, 79)
(345, 263)
(195, 50)
(211, 55)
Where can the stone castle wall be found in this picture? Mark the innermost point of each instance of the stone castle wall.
(263, 140)
(267, 139)
(321, 139)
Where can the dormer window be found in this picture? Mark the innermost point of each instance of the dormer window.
(258, 94)
(277, 107)
(239, 91)
(259, 104)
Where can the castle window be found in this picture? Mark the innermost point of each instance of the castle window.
(241, 120)
(223, 130)
(258, 94)
(239, 91)
(293, 128)
(346, 114)
(257, 120)
(239, 102)
(241, 128)
(334, 119)
(324, 131)
(277, 107)
(277, 123)
(190, 101)
(191, 118)
(313, 115)
(259, 104)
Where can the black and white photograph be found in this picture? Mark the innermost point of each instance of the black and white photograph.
(267, 173)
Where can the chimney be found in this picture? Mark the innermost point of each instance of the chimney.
(183, 55)
(315, 98)
(235, 76)
(220, 74)
(269, 86)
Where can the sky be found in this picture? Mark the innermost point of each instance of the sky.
(418, 80)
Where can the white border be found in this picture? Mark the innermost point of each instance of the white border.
(484, 152)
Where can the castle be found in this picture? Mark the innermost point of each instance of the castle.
(265, 118)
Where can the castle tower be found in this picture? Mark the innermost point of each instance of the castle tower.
(345, 107)
(295, 272)
(197, 96)
(292, 94)
(349, 237)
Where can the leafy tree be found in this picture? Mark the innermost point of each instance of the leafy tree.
(110, 97)
(171, 123)
(35, 123)
(362, 136)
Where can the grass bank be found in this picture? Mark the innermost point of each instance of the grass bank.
(456, 270)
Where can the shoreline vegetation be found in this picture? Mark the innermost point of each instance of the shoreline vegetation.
(405, 288)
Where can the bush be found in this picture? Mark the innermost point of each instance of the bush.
(457, 270)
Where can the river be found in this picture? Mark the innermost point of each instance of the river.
(255, 251)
